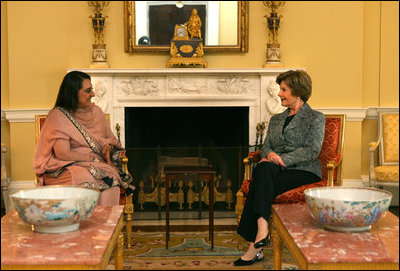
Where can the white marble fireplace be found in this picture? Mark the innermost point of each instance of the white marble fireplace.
(186, 87)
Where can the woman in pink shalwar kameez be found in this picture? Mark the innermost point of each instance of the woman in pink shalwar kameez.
(76, 145)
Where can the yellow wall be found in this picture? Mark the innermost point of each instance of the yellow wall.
(389, 87)
(349, 48)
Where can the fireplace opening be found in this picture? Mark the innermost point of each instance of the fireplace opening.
(151, 127)
(156, 136)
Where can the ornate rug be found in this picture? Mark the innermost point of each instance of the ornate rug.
(191, 251)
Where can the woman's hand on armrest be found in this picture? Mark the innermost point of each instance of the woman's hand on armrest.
(274, 158)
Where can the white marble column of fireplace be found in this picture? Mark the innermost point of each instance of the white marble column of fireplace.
(186, 87)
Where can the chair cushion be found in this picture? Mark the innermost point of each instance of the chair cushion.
(387, 173)
(245, 187)
(390, 125)
(122, 198)
(297, 195)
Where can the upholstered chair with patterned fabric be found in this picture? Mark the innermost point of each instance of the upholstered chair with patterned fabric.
(385, 171)
(331, 157)
(124, 200)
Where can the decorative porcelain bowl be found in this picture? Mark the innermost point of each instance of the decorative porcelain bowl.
(55, 208)
(346, 208)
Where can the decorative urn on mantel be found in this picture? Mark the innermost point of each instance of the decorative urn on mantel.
(99, 56)
(273, 21)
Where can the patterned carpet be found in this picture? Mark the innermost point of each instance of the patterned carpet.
(191, 251)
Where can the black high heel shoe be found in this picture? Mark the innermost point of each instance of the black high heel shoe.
(240, 262)
(263, 242)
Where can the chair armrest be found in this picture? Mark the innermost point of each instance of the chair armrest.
(372, 147)
(253, 157)
(124, 162)
(331, 165)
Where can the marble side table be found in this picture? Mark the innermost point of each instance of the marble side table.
(313, 247)
(90, 247)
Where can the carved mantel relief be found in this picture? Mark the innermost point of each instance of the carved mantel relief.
(116, 89)
(139, 86)
(100, 89)
(233, 84)
(186, 86)
(273, 102)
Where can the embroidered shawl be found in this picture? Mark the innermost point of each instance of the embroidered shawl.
(94, 134)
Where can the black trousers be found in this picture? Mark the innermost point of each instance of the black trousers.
(269, 181)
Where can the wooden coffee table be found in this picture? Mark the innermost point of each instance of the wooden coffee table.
(90, 247)
(313, 247)
(207, 174)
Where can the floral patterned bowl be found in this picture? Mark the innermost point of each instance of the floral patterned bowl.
(56, 208)
(346, 208)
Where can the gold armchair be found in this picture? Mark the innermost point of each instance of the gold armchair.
(385, 171)
(124, 200)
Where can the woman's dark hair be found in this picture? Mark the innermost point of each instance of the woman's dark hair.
(68, 94)
(298, 81)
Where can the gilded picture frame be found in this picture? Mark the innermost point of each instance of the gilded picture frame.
(130, 35)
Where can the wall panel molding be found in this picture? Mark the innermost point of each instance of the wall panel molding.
(352, 114)
(23, 115)
(372, 113)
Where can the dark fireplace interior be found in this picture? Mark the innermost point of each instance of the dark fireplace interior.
(219, 134)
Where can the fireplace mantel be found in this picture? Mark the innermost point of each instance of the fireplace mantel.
(186, 87)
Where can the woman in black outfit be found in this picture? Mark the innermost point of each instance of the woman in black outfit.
(289, 160)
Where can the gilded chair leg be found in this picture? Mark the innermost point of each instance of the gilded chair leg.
(238, 212)
(128, 210)
(277, 247)
(119, 257)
